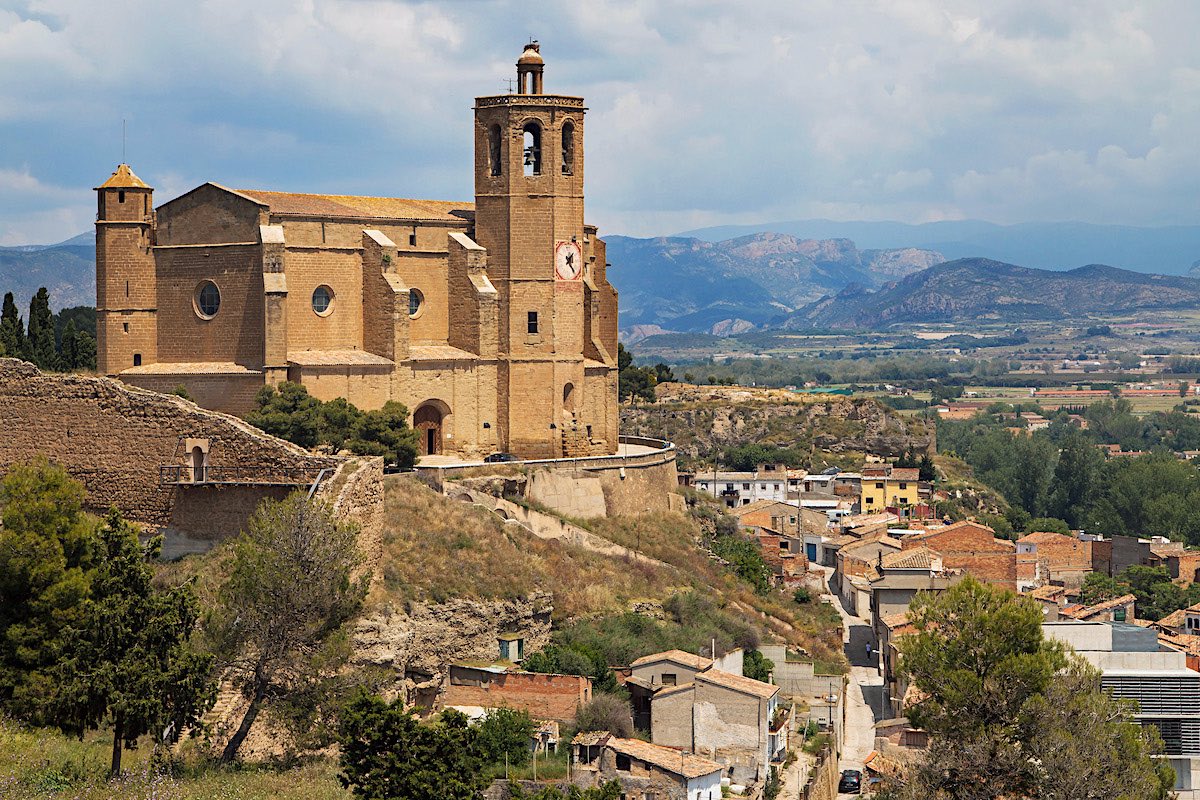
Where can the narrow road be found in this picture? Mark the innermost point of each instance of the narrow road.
(864, 695)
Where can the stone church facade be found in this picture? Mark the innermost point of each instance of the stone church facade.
(493, 322)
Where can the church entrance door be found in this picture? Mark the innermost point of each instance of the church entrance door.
(428, 423)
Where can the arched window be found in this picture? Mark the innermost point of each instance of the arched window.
(494, 149)
(568, 148)
(416, 303)
(533, 148)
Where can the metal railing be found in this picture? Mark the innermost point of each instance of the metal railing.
(182, 475)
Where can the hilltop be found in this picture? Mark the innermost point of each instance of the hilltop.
(981, 289)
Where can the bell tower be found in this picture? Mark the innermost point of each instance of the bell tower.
(529, 217)
(126, 290)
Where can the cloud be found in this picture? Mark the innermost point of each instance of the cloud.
(700, 112)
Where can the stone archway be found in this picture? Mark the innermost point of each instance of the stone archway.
(427, 422)
(569, 398)
(197, 464)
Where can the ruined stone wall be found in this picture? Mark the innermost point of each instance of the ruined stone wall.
(114, 437)
(356, 492)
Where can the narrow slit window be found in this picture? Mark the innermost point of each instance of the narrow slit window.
(121, 196)
(532, 322)
(494, 150)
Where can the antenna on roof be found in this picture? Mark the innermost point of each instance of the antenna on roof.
(122, 141)
(510, 82)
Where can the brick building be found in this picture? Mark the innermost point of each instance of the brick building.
(972, 548)
(492, 321)
(544, 696)
(1061, 559)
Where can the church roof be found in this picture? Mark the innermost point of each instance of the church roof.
(123, 178)
(337, 358)
(355, 207)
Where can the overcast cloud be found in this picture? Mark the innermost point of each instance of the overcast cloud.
(700, 112)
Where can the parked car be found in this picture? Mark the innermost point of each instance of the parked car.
(851, 782)
(498, 458)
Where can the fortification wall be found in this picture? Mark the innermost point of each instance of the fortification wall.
(114, 438)
(616, 485)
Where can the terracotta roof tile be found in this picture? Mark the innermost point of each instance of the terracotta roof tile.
(678, 656)
(352, 206)
(916, 558)
(738, 683)
(665, 758)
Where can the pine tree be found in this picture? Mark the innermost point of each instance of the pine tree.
(12, 329)
(131, 660)
(42, 350)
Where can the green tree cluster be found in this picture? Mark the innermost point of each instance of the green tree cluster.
(757, 666)
(637, 382)
(85, 636)
(1010, 714)
(588, 646)
(1060, 474)
(747, 457)
(66, 341)
(922, 462)
(744, 557)
(388, 754)
(290, 412)
(1157, 595)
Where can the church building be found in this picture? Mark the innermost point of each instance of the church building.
(492, 321)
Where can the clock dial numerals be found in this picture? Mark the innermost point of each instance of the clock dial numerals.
(568, 261)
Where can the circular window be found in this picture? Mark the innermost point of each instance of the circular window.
(416, 303)
(208, 300)
(322, 301)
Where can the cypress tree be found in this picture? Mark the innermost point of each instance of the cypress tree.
(12, 329)
(42, 350)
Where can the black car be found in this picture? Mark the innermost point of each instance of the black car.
(499, 458)
(851, 782)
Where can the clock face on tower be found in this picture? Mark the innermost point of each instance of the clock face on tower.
(568, 261)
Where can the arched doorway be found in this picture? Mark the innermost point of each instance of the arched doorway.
(197, 465)
(569, 398)
(427, 421)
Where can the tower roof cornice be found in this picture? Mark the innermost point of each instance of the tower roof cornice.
(530, 100)
(123, 178)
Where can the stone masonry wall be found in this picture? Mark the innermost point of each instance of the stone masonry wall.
(114, 437)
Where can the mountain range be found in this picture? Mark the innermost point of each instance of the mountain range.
(981, 289)
(769, 280)
(725, 287)
(1168, 250)
(66, 269)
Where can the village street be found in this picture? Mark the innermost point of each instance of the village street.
(865, 702)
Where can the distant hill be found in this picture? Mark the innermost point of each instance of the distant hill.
(727, 287)
(66, 269)
(1168, 250)
(982, 289)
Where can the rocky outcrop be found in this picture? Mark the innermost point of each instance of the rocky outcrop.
(418, 643)
(737, 416)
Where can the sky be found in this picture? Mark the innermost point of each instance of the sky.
(700, 113)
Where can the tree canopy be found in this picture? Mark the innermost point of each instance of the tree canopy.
(293, 585)
(1010, 714)
(290, 412)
